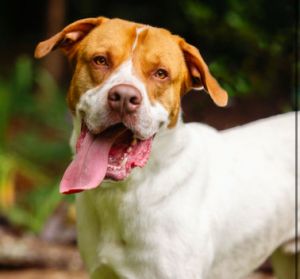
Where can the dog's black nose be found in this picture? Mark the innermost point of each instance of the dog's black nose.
(124, 98)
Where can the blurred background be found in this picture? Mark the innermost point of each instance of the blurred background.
(248, 45)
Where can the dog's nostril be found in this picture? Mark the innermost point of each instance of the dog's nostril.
(114, 97)
(135, 100)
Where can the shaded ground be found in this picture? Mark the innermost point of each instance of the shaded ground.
(44, 273)
(27, 256)
(58, 274)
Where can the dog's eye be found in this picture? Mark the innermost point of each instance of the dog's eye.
(100, 60)
(161, 74)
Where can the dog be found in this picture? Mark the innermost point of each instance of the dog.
(157, 198)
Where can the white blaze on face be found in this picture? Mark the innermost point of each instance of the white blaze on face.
(93, 104)
(138, 32)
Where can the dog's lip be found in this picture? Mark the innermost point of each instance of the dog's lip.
(120, 124)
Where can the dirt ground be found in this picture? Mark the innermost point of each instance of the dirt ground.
(58, 274)
(43, 273)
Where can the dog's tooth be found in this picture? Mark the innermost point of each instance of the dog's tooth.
(129, 149)
(134, 141)
(124, 162)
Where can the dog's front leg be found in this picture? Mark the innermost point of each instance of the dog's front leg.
(284, 264)
(103, 272)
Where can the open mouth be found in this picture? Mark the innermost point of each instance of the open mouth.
(112, 154)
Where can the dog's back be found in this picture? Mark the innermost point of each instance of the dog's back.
(267, 145)
(263, 154)
(274, 135)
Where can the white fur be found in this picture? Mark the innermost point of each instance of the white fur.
(138, 32)
(208, 205)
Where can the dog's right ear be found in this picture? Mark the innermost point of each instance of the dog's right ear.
(68, 37)
(200, 76)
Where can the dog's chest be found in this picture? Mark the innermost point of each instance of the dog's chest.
(137, 239)
(116, 211)
(124, 227)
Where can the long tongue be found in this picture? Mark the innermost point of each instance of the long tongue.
(89, 166)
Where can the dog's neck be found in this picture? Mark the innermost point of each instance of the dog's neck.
(167, 143)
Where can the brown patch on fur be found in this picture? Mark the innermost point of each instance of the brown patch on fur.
(156, 49)
(113, 39)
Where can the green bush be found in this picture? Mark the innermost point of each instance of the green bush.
(33, 144)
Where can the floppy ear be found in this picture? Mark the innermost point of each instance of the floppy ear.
(200, 76)
(68, 37)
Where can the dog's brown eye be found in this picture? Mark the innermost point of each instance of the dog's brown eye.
(161, 74)
(100, 60)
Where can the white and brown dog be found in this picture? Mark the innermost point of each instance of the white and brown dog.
(202, 204)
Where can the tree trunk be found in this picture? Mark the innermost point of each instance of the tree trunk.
(55, 21)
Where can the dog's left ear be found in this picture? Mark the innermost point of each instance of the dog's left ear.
(200, 76)
(68, 37)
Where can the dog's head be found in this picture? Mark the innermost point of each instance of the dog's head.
(127, 84)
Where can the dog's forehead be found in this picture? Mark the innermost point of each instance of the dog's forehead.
(125, 36)
(159, 47)
(115, 30)
(111, 35)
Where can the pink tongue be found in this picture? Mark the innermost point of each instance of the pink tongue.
(89, 166)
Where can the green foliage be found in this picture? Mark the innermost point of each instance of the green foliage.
(40, 203)
(249, 44)
(33, 146)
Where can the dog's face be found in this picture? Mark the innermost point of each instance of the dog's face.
(127, 84)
